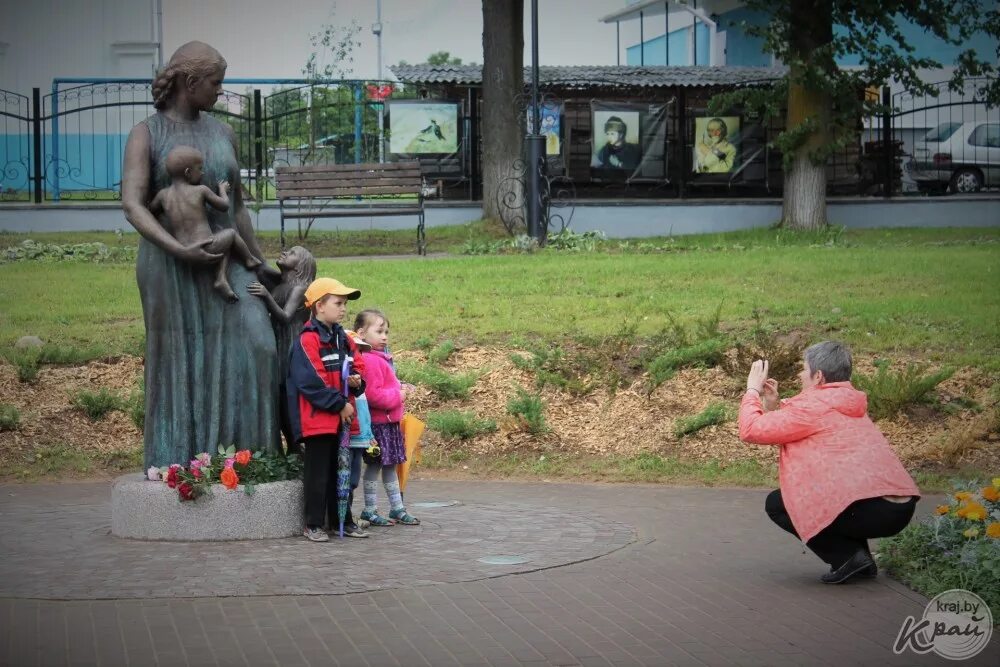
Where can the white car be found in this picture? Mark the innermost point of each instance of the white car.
(960, 156)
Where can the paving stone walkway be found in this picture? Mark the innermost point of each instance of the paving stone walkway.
(614, 575)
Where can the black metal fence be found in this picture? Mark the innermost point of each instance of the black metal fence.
(69, 144)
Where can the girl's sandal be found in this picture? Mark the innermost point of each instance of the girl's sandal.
(376, 519)
(400, 516)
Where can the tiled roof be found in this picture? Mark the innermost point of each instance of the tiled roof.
(600, 75)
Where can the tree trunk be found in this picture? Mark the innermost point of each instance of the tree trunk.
(502, 121)
(804, 204)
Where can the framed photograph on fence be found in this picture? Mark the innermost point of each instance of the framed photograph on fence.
(423, 127)
(550, 118)
(615, 139)
(716, 144)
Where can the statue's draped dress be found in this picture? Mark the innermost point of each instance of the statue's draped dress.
(211, 366)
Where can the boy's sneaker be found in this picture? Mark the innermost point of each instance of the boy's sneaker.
(363, 524)
(316, 535)
(353, 530)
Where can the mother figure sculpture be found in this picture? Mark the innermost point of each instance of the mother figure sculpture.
(211, 366)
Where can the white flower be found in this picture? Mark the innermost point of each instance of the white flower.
(153, 474)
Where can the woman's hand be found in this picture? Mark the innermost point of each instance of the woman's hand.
(347, 413)
(757, 376)
(770, 395)
(354, 380)
(196, 253)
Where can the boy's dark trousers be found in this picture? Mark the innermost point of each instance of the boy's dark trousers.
(851, 530)
(320, 479)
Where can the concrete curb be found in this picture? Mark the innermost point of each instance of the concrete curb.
(145, 510)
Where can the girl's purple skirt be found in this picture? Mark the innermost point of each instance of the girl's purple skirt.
(390, 440)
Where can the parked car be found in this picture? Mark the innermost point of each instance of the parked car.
(958, 156)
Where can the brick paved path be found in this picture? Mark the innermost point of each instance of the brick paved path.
(617, 575)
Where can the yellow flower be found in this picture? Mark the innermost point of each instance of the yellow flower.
(942, 509)
(971, 532)
(972, 511)
(993, 530)
(996, 482)
(963, 495)
(991, 493)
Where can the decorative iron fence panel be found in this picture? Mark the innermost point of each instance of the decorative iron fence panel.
(15, 147)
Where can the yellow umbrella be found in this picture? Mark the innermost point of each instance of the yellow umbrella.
(412, 429)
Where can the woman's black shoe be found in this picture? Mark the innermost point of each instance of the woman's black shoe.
(856, 564)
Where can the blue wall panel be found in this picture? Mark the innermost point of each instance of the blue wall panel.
(86, 161)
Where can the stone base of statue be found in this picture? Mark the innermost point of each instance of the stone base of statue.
(145, 510)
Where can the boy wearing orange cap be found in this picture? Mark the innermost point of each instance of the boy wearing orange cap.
(318, 403)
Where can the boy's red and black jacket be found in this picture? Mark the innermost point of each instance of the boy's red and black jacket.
(315, 394)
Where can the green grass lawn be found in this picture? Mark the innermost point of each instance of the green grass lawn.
(931, 292)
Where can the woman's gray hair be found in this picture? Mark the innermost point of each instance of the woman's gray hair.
(831, 357)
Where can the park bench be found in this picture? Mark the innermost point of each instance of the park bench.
(352, 190)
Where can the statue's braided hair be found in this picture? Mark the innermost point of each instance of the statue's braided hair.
(195, 59)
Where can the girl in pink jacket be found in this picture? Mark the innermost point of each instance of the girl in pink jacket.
(841, 483)
(386, 397)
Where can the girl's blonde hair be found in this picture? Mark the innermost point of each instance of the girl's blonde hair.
(196, 59)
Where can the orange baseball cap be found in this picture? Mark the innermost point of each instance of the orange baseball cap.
(322, 286)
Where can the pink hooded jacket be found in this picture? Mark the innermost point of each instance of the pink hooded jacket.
(831, 454)
(385, 402)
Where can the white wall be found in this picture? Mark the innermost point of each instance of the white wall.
(44, 39)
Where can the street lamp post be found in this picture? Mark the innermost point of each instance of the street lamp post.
(377, 31)
(534, 146)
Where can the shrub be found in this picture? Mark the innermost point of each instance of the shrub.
(567, 239)
(529, 410)
(29, 250)
(97, 404)
(706, 353)
(889, 392)
(716, 413)
(784, 361)
(26, 362)
(457, 424)
(441, 353)
(423, 343)
(959, 547)
(554, 367)
(9, 417)
(444, 384)
(135, 406)
(53, 354)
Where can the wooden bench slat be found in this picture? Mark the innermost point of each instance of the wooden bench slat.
(298, 188)
(401, 174)
(298, 193)
(357, 211)
(353, 179)
(373, 166)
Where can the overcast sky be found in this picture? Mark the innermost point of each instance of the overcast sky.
(272, 37)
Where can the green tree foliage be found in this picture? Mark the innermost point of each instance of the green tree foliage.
(443, 58)
(333, 54)
(823, 103)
